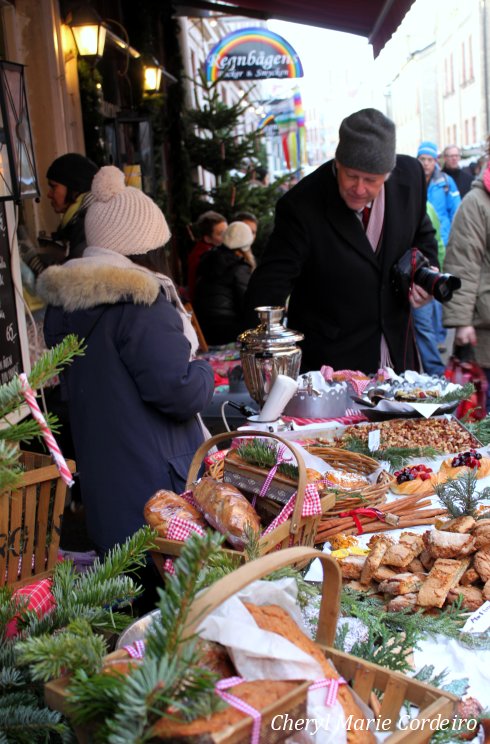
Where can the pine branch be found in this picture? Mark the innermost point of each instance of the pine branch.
(459, 495)
(180, 590)
(480, 429)
(397, 457)
(26, 724)
(54, 360)
(264, 455)
(76, 647)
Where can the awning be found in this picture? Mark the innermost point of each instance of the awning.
(375, 19)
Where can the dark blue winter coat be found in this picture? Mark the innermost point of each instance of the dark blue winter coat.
(133, 396)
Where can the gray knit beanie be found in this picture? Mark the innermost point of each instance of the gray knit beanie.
(122, 218)
(238, 236)
(367, 142)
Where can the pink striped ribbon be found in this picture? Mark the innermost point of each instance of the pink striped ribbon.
(239, 704)
(136, 650)
(48, 437)
(332, 686)
(265, 486)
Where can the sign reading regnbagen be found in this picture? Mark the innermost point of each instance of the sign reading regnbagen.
(252, 54)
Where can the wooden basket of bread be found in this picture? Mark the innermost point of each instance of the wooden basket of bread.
(346, 684)
(355, 471)
(210, 502)
(363, 679)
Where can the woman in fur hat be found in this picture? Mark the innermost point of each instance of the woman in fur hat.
(134, 394)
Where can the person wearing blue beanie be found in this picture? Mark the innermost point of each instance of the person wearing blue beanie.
(427, 148)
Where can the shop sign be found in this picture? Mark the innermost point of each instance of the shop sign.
(252, 54)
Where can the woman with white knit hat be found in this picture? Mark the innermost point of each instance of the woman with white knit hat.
(222, 279)
(134, 395)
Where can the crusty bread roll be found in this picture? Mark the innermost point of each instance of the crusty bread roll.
(165, 506)
(277, 620)
(227, 510)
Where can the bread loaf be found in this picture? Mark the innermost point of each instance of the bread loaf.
(277, 620)
(227, 510)
(165, 506)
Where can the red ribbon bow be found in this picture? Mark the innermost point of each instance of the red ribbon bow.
(366, 511)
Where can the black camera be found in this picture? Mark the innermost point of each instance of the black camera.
(414, 267)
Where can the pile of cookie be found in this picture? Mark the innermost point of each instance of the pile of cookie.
(426, 571)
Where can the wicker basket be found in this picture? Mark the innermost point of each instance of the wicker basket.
(30, 521)
(297, 530)
(353, 462)
(393, 689)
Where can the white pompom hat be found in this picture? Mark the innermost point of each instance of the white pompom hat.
(122, 218)
(238, 236)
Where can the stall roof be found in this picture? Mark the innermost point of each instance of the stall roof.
(375, 19)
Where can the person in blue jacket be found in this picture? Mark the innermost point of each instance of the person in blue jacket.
(134, 395)
(443, 195)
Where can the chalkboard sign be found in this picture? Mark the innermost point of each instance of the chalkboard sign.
(10, 349)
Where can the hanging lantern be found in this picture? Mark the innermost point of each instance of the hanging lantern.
(152, 76)
(88, 31)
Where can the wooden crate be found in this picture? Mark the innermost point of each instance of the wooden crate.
(30, 521)
(297, 530)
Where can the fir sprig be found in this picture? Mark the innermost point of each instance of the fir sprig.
(461, 393)
(180, 590)
(459, 495)
(397, 457)
(480, 429)
(264, 455)
(51, 655)
(169, 677)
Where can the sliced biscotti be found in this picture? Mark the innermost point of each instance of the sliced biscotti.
(403, 583)
(409, 546)
(449, 544)
(459, 524)
(444, 574)
(351, 566)
(374, 557)
(471, 595)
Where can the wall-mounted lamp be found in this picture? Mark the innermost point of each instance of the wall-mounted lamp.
(88, 31)
(153, 72)
(152, 75)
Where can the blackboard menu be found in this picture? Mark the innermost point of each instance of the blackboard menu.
(10, 351)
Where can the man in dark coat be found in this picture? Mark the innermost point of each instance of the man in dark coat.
(134, 394)
(461, 177)
(333, 257)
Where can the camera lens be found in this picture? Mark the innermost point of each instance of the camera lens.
(440, 286)
(444, 287)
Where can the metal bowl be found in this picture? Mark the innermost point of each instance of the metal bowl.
(138, 630)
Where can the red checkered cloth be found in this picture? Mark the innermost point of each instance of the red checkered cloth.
(179, 529)
(351, 417)
(311, 507)
(39, 598)
(357, 379)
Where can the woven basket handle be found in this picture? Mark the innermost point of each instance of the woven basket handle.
(232, 583)
(202, 451)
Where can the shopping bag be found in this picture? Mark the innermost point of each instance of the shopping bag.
(461, 369)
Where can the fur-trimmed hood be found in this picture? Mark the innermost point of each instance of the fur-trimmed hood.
(101, 277)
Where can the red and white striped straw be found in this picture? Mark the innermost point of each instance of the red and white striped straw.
(48, 437)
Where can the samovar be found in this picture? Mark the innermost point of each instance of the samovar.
(267, 351)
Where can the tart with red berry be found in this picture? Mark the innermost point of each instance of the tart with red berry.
(452, 467)
(414, 479)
